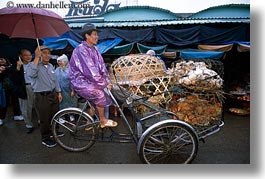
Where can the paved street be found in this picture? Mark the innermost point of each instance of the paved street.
(231, 145)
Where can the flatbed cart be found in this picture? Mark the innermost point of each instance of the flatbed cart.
(161, 137)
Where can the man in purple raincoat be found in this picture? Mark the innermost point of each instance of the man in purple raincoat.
(88, 74)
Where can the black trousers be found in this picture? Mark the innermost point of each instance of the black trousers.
(46, 107)
(11, 100)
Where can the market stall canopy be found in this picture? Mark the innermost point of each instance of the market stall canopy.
(105, 45)
(243, 47)
(200, 54)
(196, 35)
(158, 49)
(71, 34)
(146, 24)
(131, 36)
(223, 48)
(59, 43)
(121, 49)
(202, 35)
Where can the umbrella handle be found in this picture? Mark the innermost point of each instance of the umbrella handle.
(38, 43)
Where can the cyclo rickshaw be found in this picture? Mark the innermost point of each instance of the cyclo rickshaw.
(160, 136)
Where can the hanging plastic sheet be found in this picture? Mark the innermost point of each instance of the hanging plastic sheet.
(198, 34)
(105, 45)
(120, 50)
(58, 44)
(200, 54)
(223, 48)
(158, 49)
(243, 47)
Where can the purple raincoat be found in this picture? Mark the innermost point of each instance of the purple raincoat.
(88, 74)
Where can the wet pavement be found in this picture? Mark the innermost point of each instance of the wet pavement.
(231, 145)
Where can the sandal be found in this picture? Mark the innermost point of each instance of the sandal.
(109, 123)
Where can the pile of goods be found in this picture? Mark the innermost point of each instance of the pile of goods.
(196, 76)
(198, 109)
(241, 100)
(146, 75)
(202, 103)
(239, 111)
(244, 98)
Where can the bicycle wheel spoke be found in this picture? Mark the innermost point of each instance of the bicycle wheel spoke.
(168, 144)
(73, 125)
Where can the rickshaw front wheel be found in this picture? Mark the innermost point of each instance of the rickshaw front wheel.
(71, 131)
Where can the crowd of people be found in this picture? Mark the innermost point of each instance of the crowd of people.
(35, 84)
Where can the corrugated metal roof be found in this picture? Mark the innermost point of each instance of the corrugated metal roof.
(146, 16)
(224, 11)
(138, 13)
(161, 23)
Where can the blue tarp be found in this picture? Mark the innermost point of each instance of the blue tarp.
(73, 35)
(58, 43)
(195, 54)
(238, 42)
(104, 46)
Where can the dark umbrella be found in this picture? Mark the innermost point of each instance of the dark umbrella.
(10, 47)
(32, 23)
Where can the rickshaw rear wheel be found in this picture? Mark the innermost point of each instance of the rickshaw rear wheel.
(168, 142)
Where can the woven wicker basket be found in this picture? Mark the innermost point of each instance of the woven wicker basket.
(136, 69)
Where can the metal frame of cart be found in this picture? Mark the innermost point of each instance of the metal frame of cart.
(161, 137)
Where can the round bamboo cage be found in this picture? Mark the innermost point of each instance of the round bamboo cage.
(136, 69)
(156, 89)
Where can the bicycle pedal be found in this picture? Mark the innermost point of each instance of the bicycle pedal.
(61, 121)
(88, 128)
